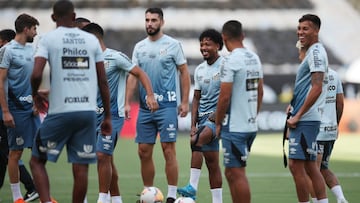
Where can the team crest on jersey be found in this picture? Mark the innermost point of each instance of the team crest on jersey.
(163, 52)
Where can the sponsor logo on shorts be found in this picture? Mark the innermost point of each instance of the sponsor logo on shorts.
(19, 141)
(87, 153)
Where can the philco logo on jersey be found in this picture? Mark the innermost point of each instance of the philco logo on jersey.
(75, 62)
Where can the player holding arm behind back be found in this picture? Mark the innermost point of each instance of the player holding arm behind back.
(117, 66)
(161, 57)
(77, 71)
(240, 99)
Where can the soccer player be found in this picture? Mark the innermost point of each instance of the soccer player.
(307, 106)
(330, 120)
(77, 70)
(204, 142)
(18, 114)
(161, 57)
(117, 67)
(6, 36)
(241, 93)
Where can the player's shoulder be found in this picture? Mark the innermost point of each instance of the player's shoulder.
(169, 39)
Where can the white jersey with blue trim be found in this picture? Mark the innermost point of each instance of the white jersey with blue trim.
(315, 60)
(207, 80)
(329, 125)
(117, 66)
(243, 69)
(160, 59)
(18, 59)
(72, 55)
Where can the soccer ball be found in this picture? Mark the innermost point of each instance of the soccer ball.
(151, 195)
(184, 200)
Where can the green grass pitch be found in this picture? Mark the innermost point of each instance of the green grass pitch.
(270, 182)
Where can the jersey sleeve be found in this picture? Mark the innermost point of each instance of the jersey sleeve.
(41, 48)
(196, 81)
(316, 60)
(180, 58)
(98, 53)
(227, 73)
(5, 57)
(123, 62)
(339, 88)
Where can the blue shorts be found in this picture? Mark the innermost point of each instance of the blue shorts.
(212, 146)
(26, 125)
(163, 121)
(302, 140)
(236, 147)
(325, 148)
(76, 130)
(106, 144)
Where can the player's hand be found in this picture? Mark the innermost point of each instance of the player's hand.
(106, 128)
(292, 121)
(218, 131)
(193, 131)
(183, 109)
(41, 101)
(152, 103)
(8, 120)
(127, 109)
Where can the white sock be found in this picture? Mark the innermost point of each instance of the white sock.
(85, 200)
(15, 190)
(102, 197)
(116, 199)
(194, 177)
(338, 192)
(305, 202)
(216, 195)
(323, 200)
(108, 198)
(314, 200)
(172, 191)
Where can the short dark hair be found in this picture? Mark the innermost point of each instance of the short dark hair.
(82, 20)
(7, 35)
(232, 29)
(156, 10)
(24, 20)
(311, 17)
(214, 36)
(63, 8)
(94, 29)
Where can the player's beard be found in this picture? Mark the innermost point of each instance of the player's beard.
(157, 30)
(30, 39)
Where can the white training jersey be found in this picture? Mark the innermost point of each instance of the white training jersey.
(329, 125)
(315, 61)
(207, 80)
(72, 55)
(243, 69)
(160, 60)
(18, 59)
